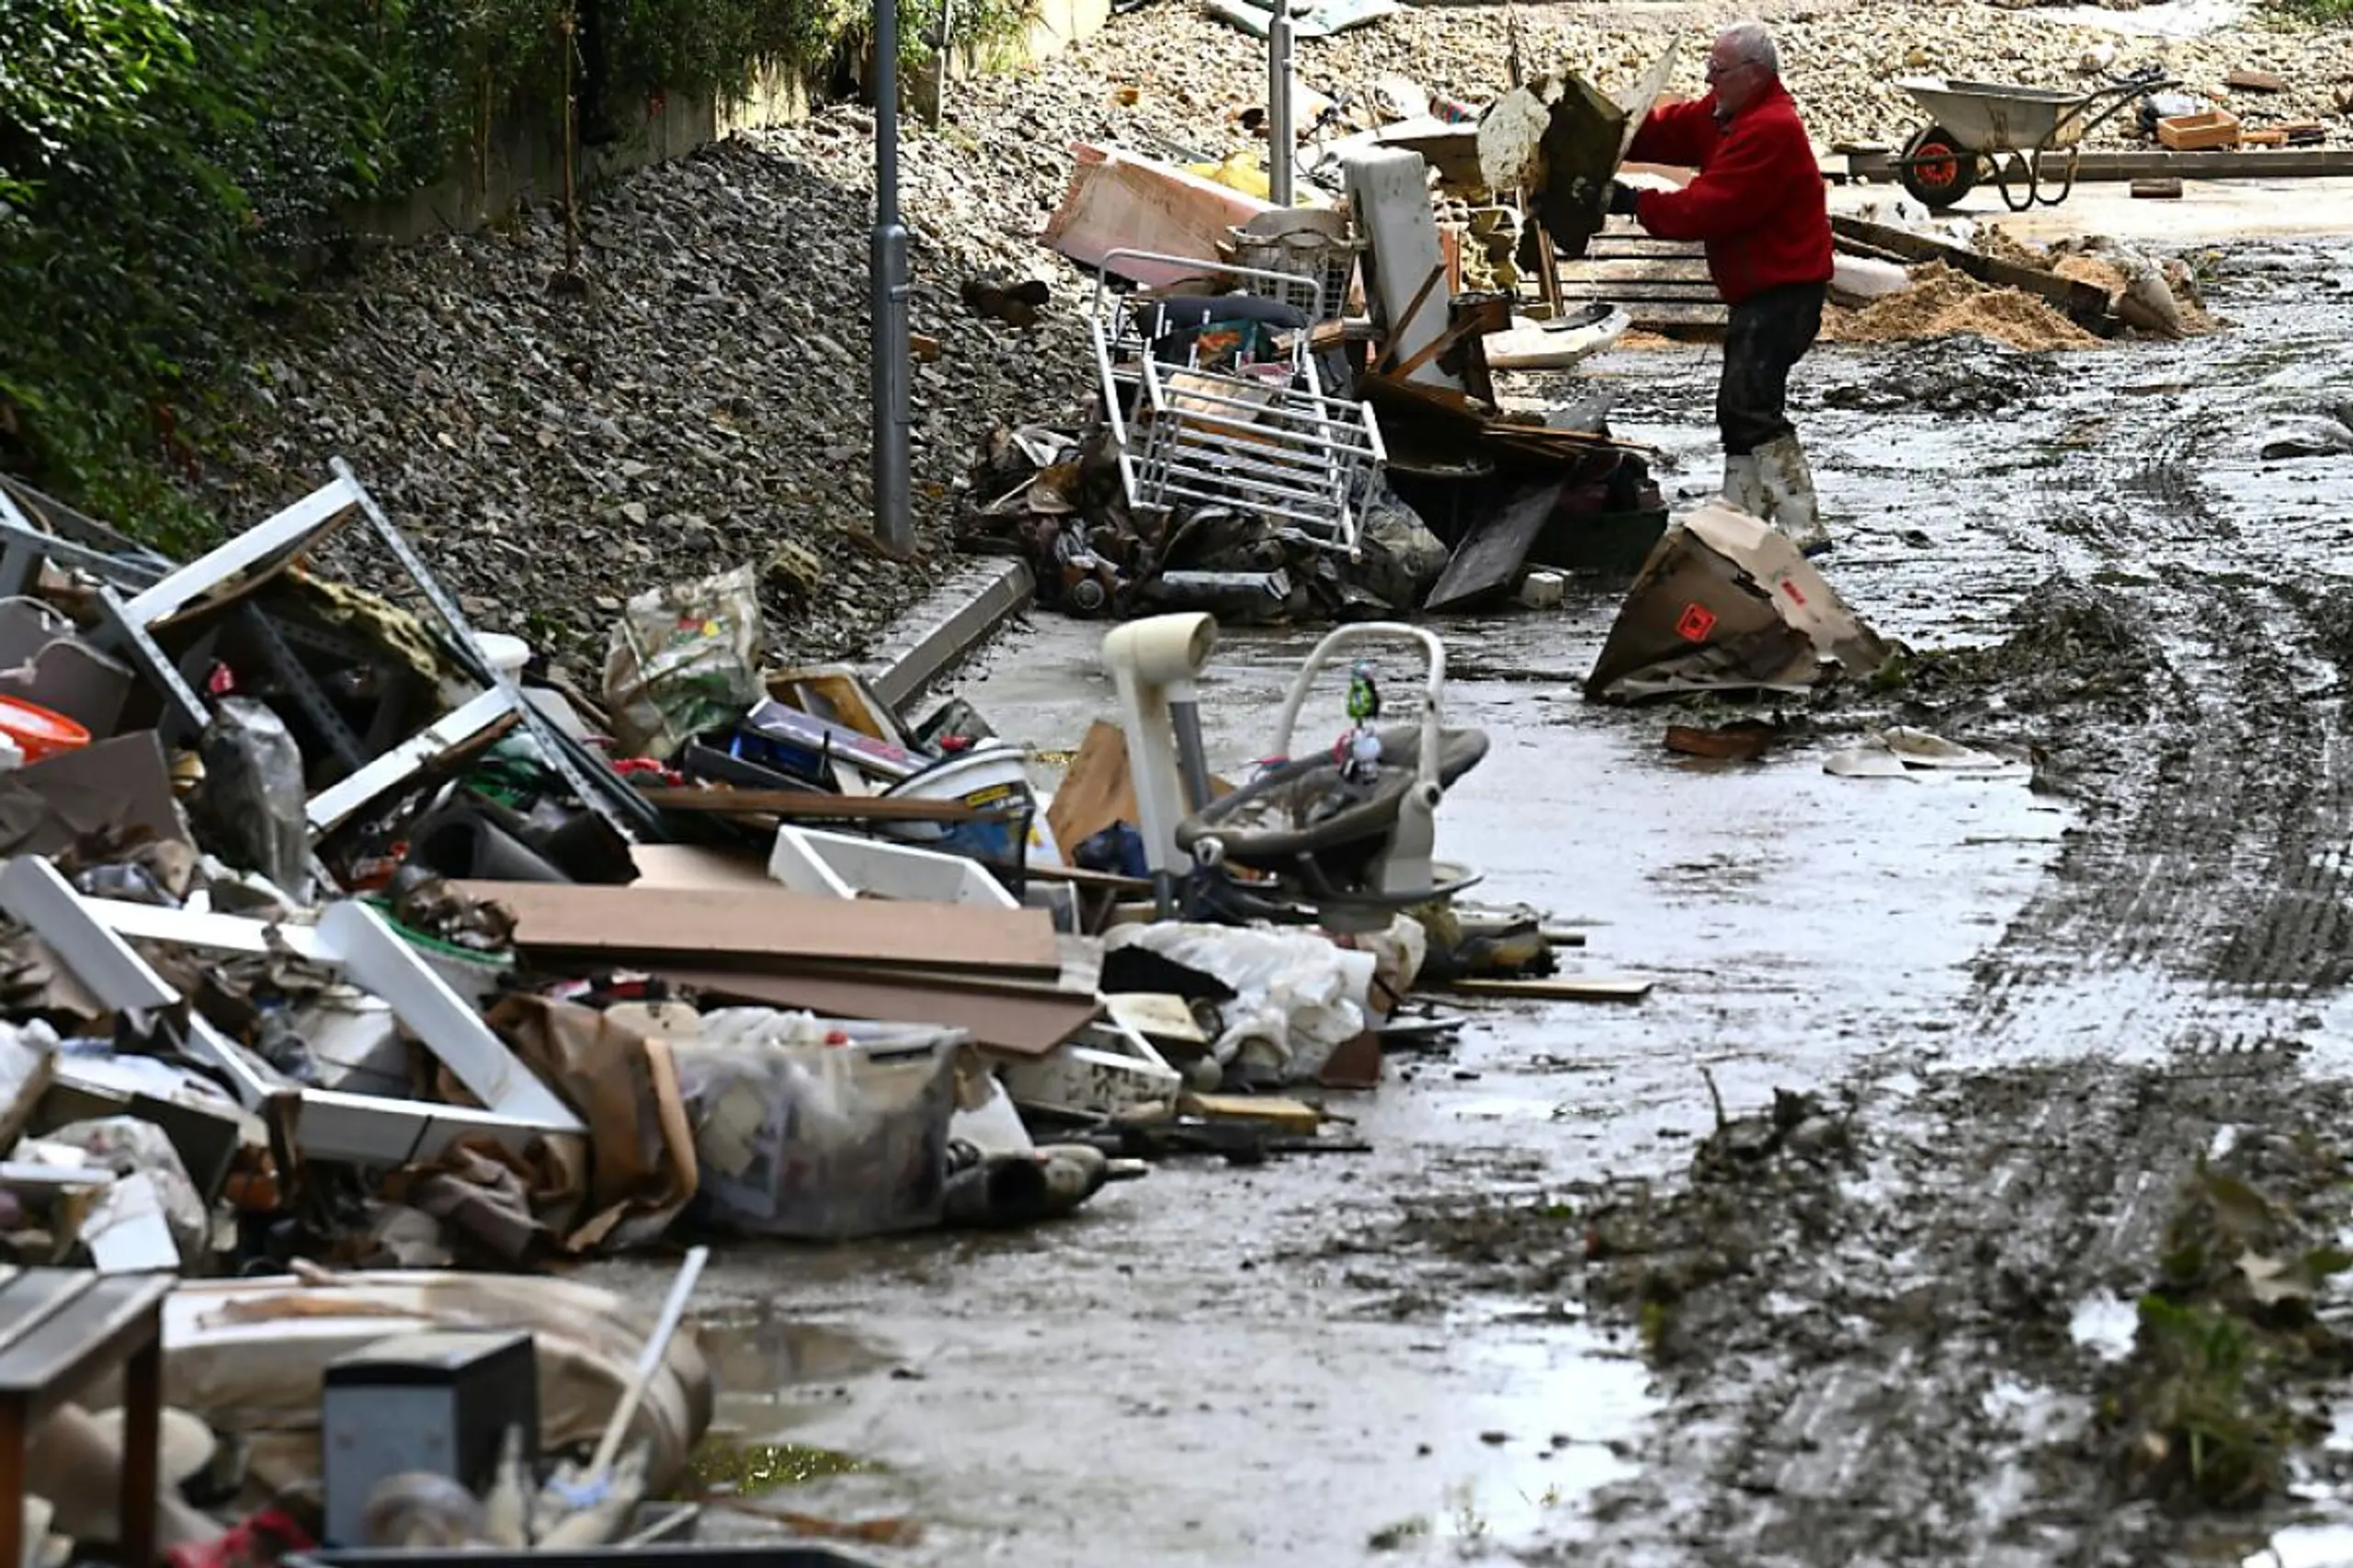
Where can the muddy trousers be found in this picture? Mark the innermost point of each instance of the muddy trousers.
(1769, 334)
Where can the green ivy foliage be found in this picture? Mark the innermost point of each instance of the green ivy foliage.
(164, 165)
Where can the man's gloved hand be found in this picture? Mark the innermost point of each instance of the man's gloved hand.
(1623, 199)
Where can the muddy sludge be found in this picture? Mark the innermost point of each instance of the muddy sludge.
(1863, 1317)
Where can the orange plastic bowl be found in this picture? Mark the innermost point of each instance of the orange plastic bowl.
(39, 733)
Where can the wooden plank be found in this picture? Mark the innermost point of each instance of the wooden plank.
(109, 1318)
(1633, 269)
(759, 922)
(1658, 313)
(1566, 988)
(1638, 250)
(2085, 302)
(797, 806)
(1017, 1025)
(2281, 162)
(1271, 1110)
(1627, 294)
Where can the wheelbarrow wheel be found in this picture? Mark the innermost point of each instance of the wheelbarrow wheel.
(1936, 168)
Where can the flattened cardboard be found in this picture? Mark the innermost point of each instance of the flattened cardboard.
(770, 923)
(1098, 791)
(1727, 604)
(123, 782)
(620, 1082)
(692, 866)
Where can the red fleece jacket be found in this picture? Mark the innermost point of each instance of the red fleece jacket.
(1757, 203)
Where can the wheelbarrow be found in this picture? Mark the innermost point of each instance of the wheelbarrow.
(2010, 128)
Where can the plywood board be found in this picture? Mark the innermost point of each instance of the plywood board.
(760, 924)
(1017, 1026)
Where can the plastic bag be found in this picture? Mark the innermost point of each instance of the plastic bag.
(130, 1147)
(1297, 999)
(253, 793)
(684, 659)
(798, 1137)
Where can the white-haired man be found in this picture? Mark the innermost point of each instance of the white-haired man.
(1757, 206)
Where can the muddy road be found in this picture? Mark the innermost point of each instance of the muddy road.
(1561, 1312)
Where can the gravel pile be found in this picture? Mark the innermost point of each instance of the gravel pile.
(703, 405)
(1191, 71)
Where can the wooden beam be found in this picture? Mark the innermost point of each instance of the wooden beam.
(818, 805)
(2282, 163)
(2086, 302)
(709, 925)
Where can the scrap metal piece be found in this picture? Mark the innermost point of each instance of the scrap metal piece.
(360, 1129)
(598, 787)
(73, 538)
(335, 803)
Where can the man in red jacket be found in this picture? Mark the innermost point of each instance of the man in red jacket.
(1758, 205)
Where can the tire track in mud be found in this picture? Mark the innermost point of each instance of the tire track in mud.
(1917, 1396)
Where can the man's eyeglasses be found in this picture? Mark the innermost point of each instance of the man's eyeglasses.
(1717, 72)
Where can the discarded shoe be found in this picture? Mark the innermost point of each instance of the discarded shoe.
(1003, 1190)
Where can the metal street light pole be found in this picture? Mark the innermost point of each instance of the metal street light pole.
(1281, 142)
(887, 266)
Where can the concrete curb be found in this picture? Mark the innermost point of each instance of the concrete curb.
(940, 634)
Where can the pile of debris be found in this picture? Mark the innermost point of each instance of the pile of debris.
(1938, 301)
(339, 936)
(1295, 414)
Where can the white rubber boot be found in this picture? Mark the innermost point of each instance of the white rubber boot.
(1789, 495)
(1743, 488)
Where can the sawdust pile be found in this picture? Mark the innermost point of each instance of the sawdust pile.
(2002, 246)
(2091, 269)
(1942, 302)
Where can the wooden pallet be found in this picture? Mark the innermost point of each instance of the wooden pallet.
(1660, 284)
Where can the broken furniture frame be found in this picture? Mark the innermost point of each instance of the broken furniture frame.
(89, 935)
(74, 540)
(1287, 451)
(151, 602)
(62, 1329)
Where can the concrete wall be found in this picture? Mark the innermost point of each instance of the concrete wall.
(523, 161)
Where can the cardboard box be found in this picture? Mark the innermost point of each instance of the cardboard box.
(1727, 604)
